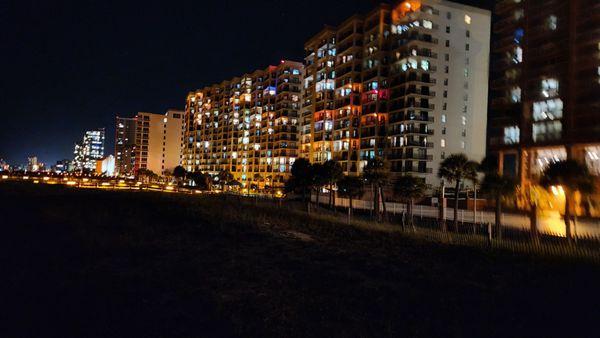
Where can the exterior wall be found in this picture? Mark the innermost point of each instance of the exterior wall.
(467, 90)
(158, 141)
(106, 166)
(172, 140)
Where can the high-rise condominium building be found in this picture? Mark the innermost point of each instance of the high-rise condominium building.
(158, 141)
(247, 126)
(407, 82)
(125, 145)
(546, 85)
(90, 149)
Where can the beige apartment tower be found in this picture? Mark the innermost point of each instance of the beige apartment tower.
(158, 141)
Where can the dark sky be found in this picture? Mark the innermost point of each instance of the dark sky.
(68, 67)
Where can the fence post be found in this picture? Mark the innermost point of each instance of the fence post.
(489, 233)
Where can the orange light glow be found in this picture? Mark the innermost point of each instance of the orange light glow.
(404, 8)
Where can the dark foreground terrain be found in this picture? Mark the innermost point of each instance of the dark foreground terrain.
(119, 264)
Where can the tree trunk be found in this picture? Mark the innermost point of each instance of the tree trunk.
(384, 215)
(409, 208)
(442, 211)
(568, 215)
(309, 199)
(457, 187)
(349, 208)
(499, 217)
(375, 193)
(333, 198)
(318, 197)
(533, 223)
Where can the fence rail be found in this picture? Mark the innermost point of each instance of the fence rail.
(549, 223)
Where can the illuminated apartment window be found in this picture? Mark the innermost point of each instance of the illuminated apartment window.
(512, 135)
(550, 87)
(517, 56)
(515, 94)
(547, 131)
(467, 19)
(443, 118)
(443, 143)
(548, 110)
(519, 14)
(552, 22)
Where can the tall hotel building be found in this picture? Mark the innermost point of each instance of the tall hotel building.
(247, 126)
(407, 82)
(546, 85)
(125, 145)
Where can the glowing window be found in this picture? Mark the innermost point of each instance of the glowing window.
(467, 19)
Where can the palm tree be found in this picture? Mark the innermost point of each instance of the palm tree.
(179, 173)
(351, 187)
(302, 179)
(201, 180)
(332, 172)
(497, 187)
(146, 175)
(319, 178)
(572, 177)
(457, 168)
(408, 189)
(377, 173)
(224, 178)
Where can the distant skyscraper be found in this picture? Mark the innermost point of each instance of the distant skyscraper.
(62, 166)
(90, 149)
(125, 145)
(4, 166)
(32, 164)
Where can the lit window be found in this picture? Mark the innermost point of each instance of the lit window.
(443, 118)
(515, 94)
(552, 22)
(517, 56)
(467, 19)
(550, 87)
(512, 135)
(443, 143)
(548, 110)
(464, 120)
(547, 131)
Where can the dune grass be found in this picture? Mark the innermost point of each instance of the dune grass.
(123, 264)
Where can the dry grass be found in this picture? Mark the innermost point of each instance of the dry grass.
(96, 263)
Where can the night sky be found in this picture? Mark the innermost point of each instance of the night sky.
(68, 67)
